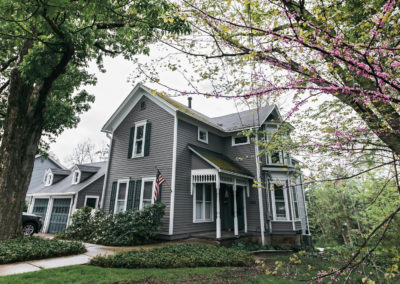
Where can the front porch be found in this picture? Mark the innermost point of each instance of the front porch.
(226, 194)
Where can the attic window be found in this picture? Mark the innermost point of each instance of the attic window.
(48, 178)
(202, 135)
(240, 140)
(142, 105)
(76, 177)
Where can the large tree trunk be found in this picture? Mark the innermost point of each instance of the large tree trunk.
(17, 154)
(22, 131)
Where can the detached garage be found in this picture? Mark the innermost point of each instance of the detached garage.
(64, 191)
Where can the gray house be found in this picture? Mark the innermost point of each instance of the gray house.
(209, 169)
(41, 164)
(63, 191)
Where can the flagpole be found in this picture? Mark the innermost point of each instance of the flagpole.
(170, 187)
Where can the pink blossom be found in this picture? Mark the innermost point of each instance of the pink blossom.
(395, 64)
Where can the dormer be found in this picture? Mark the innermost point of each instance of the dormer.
(48, 178)
(76, 175)
(53, 176)
(82, 172)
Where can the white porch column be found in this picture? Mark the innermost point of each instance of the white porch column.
(218, 220)
(244, 209)
(235, 218)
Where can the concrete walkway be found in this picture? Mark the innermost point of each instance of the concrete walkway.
(91, 251)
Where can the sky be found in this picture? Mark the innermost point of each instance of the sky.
(111, 89)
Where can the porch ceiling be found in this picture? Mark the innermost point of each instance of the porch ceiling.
(220, 161)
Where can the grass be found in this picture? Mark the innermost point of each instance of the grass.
(91, 274)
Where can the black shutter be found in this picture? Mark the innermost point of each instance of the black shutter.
(147, 139)
(131, 195)
(131, 138)
(112, 198)
(138, 192)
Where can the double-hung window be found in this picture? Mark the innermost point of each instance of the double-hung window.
(202, 135)
(122, 193)
(295, 202)
(147, 192)
(280, 203)
(139, 139)
(203, 203)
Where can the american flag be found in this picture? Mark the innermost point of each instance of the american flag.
(159, 181)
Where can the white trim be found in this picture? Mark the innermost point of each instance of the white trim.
(260, 199)
(173, 178)
(218, 220)
(217, 168)
(235, 217)
(103, 192)
(239, 144)
(126, 181)
(139, 124)
(92, 196)
(244, 210)
(147, 179)
(130, 102)
(48, 177)
(50, 194)
(200, 129)
(285, 197)
(195, 220)
(76, 171)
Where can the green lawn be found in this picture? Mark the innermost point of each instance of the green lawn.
(91, 274)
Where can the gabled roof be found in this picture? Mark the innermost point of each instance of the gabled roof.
(219, 161)
(88, 169)
(227, 123)
(65, 186)
(60, 172)
(52, 159)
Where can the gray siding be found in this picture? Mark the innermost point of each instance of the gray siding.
(199, 164)
(161, 143)
(183, 220)
(39, 168)
(243, 155)
(93, 189)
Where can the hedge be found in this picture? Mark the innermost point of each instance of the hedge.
(132, 227)
(31, 248)
(174, 256)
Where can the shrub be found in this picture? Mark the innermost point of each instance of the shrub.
(174, 256)
(254, 246)
(30, 248)
(83, 225)
(132, 227)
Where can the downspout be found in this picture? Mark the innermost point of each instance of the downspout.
(260, 199)
(106, 172)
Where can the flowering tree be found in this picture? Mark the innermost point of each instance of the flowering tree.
(338, 60)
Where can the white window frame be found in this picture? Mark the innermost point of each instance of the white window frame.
(76, 180)
(281, 162)
(48, 178)
(126, 194)
(95, 197)
(238, 144)
(153, 180)
(139, 124)
(195, 220)
(295, 192)
(285, 197)
(199, 129)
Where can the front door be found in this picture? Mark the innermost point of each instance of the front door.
(59, 215)
(228, 209)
